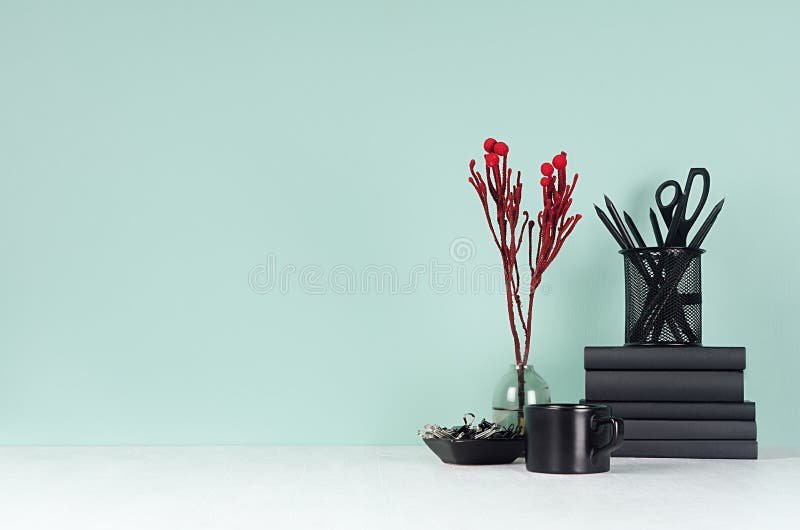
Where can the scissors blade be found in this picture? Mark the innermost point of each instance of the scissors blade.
(684, 224)
(674, 227)
(703, 194)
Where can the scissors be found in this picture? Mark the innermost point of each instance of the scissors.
(674, 212)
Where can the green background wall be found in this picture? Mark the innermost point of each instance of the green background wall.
(156, 158)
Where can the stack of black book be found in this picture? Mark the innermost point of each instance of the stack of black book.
(678, 401)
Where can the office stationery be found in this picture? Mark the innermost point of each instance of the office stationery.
(637, 236)
(610, 227)
(656, 229)
(674, 211)
(701, 234)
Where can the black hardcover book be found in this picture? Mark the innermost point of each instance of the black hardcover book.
(690, 430)
(743, 449)
(664, 385)
(663, 358)
(651, 410)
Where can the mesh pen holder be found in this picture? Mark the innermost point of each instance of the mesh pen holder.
(663, 296)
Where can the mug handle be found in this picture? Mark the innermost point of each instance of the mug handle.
(617, 435)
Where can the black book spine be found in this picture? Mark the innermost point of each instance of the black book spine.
(663, 358)
(742, 449)
(689, 430)
(650, 410)
(631, 385)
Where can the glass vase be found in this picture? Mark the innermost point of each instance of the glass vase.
(506, 410)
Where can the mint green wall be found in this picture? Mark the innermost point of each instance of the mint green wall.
(155, 158)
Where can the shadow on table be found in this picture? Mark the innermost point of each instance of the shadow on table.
(627, 466)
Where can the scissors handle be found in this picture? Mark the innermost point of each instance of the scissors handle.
(704, 194)
(667, 210)
(680, 225)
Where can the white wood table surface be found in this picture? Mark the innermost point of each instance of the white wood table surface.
(198, 488)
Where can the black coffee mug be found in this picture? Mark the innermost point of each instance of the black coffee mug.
(565, 438)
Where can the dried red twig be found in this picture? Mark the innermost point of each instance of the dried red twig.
(508, 233)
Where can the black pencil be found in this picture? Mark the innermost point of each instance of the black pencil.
(701, 234)
(635, 231)
(656, 229)
(618, 222)
(613, 231)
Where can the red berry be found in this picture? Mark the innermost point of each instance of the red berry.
(492, 159)
(500, 148)
(545, 180)
(547, 169)
(488, 144)
(560, 161)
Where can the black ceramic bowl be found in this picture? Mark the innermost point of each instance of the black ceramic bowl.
(477, 452)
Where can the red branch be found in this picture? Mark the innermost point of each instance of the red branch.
(508, 234)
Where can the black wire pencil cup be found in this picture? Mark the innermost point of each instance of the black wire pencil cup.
(663, 294)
